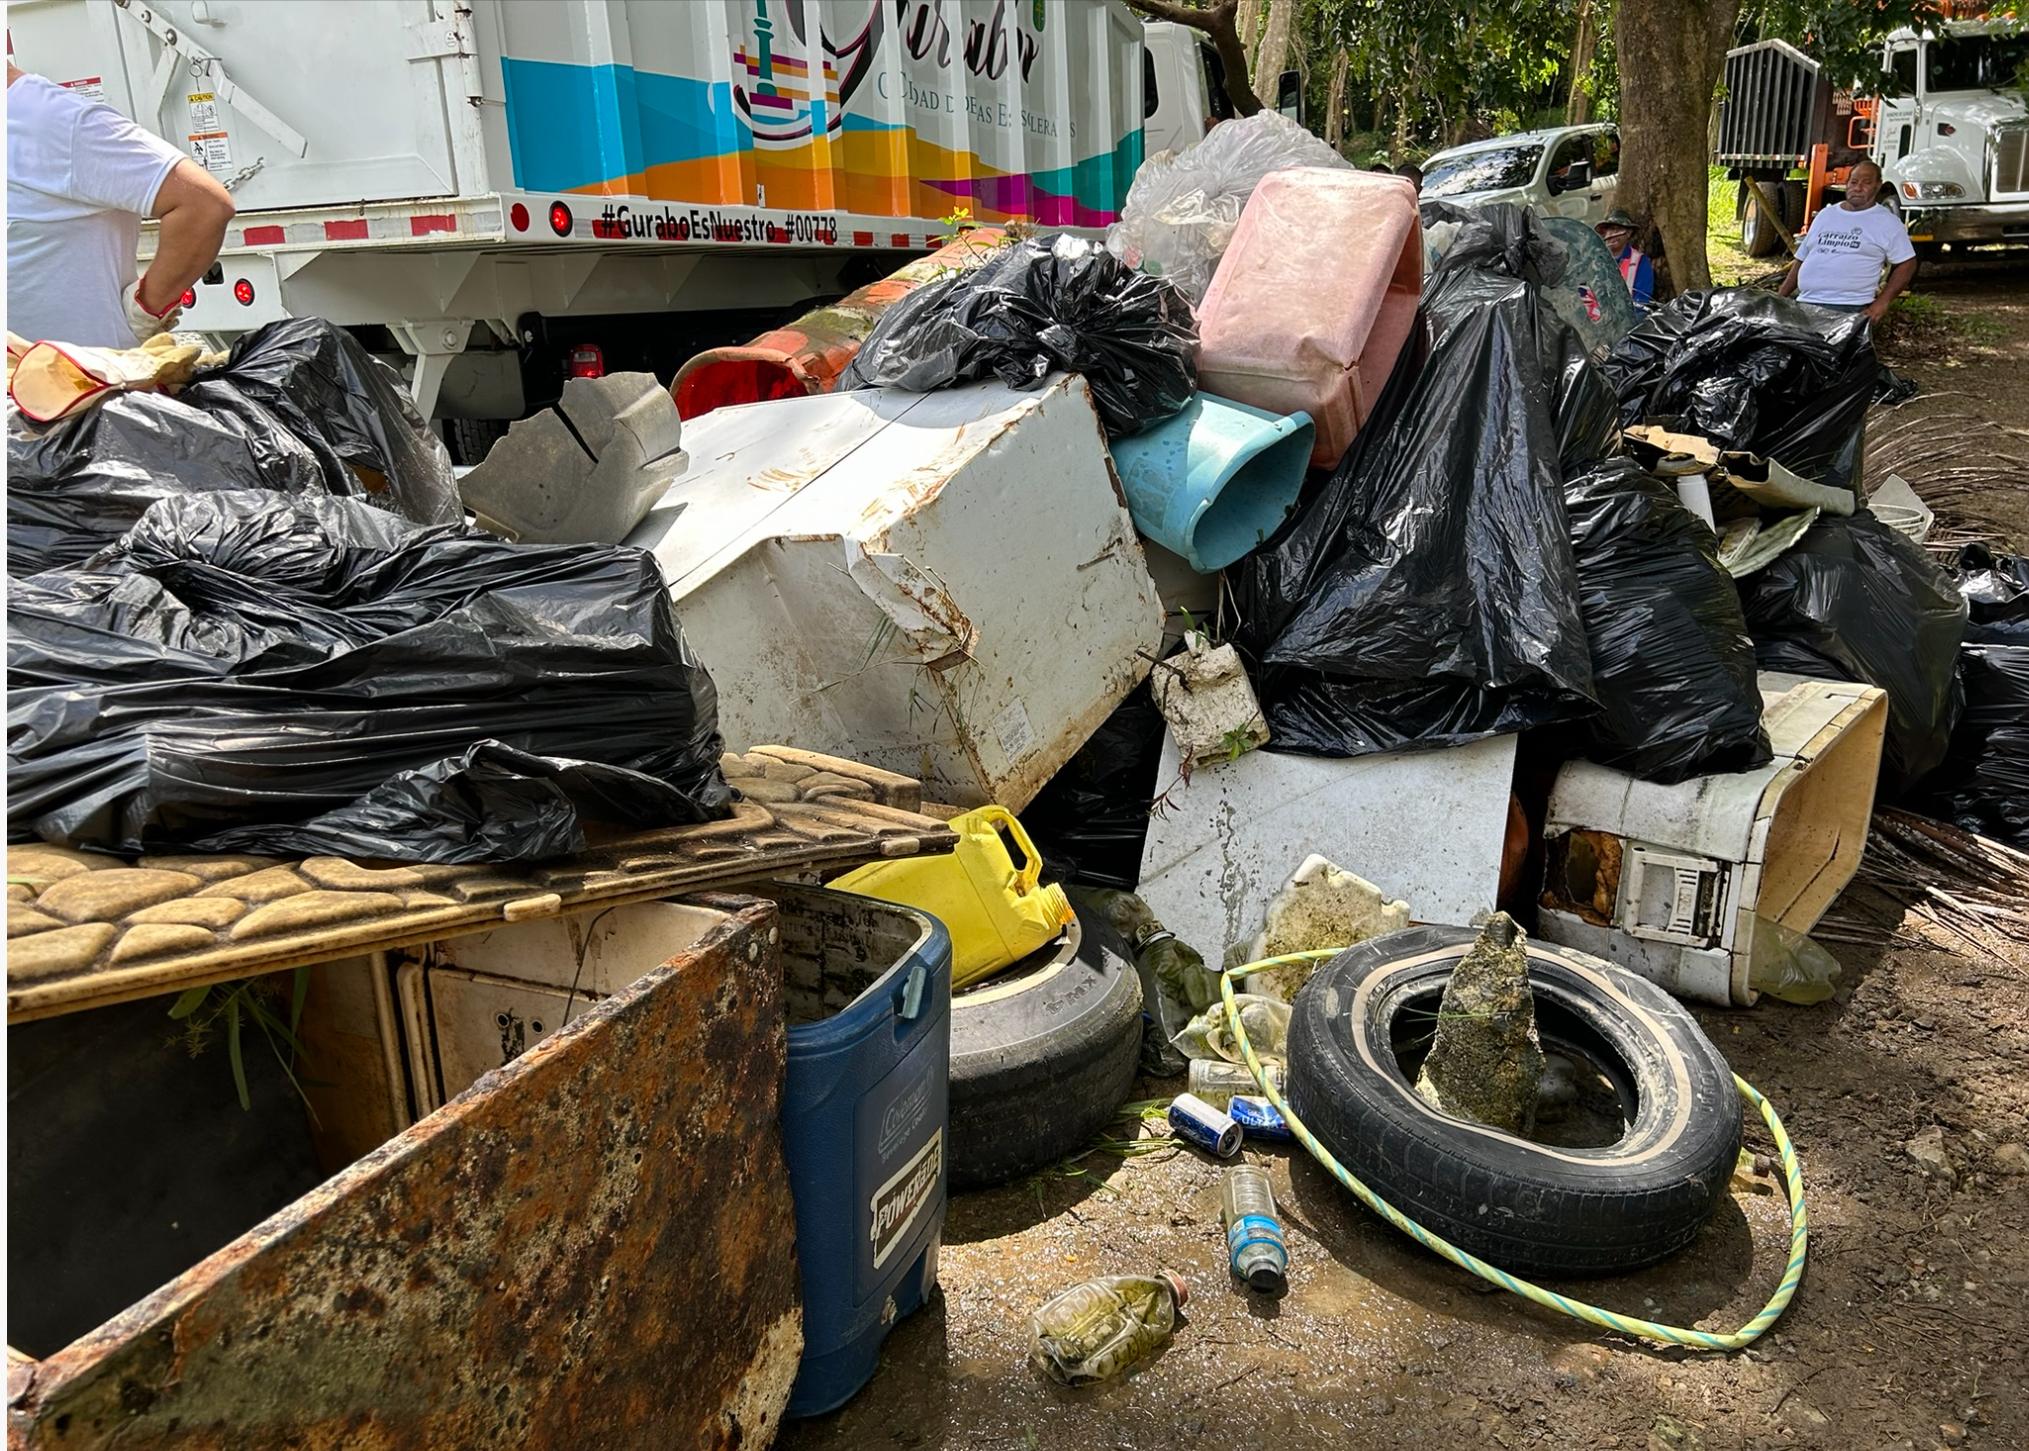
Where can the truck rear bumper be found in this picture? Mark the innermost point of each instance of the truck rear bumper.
(1973, 222)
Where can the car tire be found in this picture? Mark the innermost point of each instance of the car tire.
(1528, 1207)
(1043, 1057)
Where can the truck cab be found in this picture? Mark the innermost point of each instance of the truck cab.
(1184, 91)
(1952, 131)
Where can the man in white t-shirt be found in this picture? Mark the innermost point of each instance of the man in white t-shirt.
(1839, 260)
(80, 179)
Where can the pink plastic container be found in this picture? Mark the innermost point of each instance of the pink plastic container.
(1314, 299)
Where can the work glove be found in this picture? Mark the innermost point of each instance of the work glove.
(145, 323)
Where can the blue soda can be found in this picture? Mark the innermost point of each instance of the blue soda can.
(1258, 1119)
(1197, 1122)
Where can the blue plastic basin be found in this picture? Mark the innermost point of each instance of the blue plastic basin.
(863, 1124)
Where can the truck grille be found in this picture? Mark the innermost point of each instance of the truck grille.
(2011, 161)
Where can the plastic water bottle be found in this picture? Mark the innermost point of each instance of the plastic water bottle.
(1216, 1082)
(1096, 1330)
(1254, 1243)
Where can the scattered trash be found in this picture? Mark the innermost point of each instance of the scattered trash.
(1203, 694)
(1788, 965)
(1049, 302)
(1215, 1081)
(1314, 299)
(1672, 664)
(1756, 372)
(1321, 905)
(1183, 207)
(846, 564)
(1227, 840)
(1196, 1121)
(997, 912)
(1255, 1249)
(1855, 600)
(1664, 879)
(1099, 1329)
(1208, 1036)
(1258, 1119)
(1485, 1059)
(256, 672)
(1212, 482)
(1996, 590)
(584, 472)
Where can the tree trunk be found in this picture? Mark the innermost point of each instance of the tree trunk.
(1578, 104)
(1670, 53)
(1335, 104)
(1249, 24)
(1272, 59)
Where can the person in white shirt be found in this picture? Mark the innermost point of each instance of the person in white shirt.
(80, 179)
(1839, 260)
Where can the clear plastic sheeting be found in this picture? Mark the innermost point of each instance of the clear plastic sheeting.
(1855, 600)
(1754, 372)
(250, 672)
(1049, 302)
(298, 407)
(1790, 966)
(1183, 206)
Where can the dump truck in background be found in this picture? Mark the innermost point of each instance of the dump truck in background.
(1948, 125)
(498, 195)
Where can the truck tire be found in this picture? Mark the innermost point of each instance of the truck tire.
(1757, 237)
(1529, 1207)
(1042, 1058)
(472, 438)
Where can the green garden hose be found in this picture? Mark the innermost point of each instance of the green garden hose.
(1792, 1173)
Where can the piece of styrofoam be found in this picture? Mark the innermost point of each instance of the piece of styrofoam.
(1425, 826)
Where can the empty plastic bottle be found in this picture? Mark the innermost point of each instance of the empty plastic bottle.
(1217, 1082)
(1096, 1330)
(1254, 1244)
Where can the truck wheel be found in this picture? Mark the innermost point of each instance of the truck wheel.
(1042, 1058)
(471, 438)
(1757, 237)
(1528, 1206)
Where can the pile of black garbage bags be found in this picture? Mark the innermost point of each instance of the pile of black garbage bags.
(250, 618)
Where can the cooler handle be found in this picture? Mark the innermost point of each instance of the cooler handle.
(915, 988)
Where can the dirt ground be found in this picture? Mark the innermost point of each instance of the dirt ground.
(1907, 1332)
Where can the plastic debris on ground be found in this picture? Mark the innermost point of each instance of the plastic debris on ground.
(298, 407)
(1209, 1036)
(1203, 694)
(1895, 504)
(1855, 600)
(1175, 983)
(1099, 1329)
(252, 672)
(1315, 300)
(1427, 595)
(1672, 662)
(1753, 371)
(1049, 302)
(1183, 206)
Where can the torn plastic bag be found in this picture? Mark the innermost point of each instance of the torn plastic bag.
(1090, 820)
(295, 404)
(1756, 372)
(1855, 600)
(1996, 591)
(1672, 662)
(1427, 595)
(1983, 784)
(247, 671)
(1048, 302)
(1183, 206)
(1562, 256)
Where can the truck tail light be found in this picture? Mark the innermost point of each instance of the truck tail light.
(243, 293)
(587, 360)
(190, 297)
(560, 219)
(518, 215)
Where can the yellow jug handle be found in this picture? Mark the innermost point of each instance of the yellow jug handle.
(1030, 874)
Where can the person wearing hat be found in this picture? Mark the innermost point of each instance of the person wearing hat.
(1617, 231)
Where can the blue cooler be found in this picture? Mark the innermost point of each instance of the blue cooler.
(863, 1124)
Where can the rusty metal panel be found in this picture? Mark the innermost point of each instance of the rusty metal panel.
(584, 1249)
(88, 929)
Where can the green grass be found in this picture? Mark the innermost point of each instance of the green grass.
(1730, 265)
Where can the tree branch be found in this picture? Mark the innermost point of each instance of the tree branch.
(1218, 23)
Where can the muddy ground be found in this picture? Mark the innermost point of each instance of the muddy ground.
(1909, 1327)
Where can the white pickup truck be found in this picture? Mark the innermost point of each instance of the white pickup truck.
(497, 193)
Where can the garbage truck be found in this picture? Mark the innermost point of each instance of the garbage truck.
(1947, 123)
(497, 195)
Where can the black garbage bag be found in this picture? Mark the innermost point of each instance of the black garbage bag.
(297, 403)
(1090, 820)
(1562, 256)
(1428, 595)
(1996, 591)
(1983, 784)
(1054, 301)
(1753, 371)
(1672, 662)
(1855, 600)
(250, 671)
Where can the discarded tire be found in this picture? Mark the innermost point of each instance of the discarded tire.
(1528, 1207)
(1043, 1058)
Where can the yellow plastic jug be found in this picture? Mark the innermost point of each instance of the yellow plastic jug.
(997, 913)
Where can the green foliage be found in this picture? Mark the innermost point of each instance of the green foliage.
(202, 1010)
(1843, 37)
